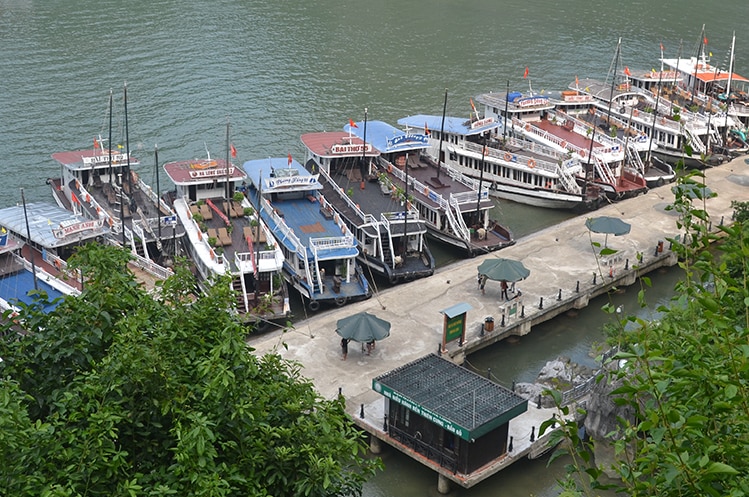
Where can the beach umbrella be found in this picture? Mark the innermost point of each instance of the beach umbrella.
(503, 270)
(693, 190)
(363, 327)
(607, 225)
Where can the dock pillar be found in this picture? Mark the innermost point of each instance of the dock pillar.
(443, 484)
(375, 445)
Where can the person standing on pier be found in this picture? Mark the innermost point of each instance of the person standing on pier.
(344, 347)
(503, 284)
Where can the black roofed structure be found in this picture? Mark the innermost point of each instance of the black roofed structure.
(447, 413)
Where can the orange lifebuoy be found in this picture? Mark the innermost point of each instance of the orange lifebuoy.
(527, 127)
(508, 156)
(58, 264)
(88, 198)
(531, 163)
(635, 112)
(426, 191)
(213, 254)
(390, 168)
(582, 153)
(564, 144)
(200, 235)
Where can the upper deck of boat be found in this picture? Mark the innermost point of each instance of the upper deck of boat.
(202, 171)
(96, 158)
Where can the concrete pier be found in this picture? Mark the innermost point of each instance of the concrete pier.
(565, 273)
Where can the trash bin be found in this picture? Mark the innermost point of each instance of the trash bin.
(489, 324)
(660, 246)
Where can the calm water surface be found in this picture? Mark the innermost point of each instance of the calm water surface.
(275, 70)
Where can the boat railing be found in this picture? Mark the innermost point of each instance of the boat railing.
(454, 173)
(151, 267)
(514, 157)
(535, 148)
(417, 187)
(468, 197)
(611, 145)
(338, 220)
(281, 225)
(145, 188)
(331, 243)
(56, 283)
(367, 218)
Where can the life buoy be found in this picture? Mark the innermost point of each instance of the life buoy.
(88, 198)
(663, 120)
(582, 153)
(508, 156)
(98, 210)
(313, 305)
(548, 185)
(340, 301)
(390, 168)
(213, 254)
(527, 127)
(564, 144)
(531, 163)
(58, 264)
(200, 235)
(426, 191)
(635, 112)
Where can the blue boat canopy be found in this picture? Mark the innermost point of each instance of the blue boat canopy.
(281, 175)
(387, 138)
(453, 125)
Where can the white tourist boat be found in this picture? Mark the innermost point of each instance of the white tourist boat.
(225, 236)
(392, 237)
(455, 207)
(320, 250)
(100, 183)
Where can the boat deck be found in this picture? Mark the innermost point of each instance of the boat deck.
(216, 221)
(567, 135)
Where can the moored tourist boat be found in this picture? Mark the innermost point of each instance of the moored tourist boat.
(226, 237)
(101, 184)
(320, 250)
(22, 275)
(517, 170)
(50, 235)
(391, 236)
(535, 117)
(454, 207)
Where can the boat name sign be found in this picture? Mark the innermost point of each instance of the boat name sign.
(398, 140)
(350, 148)
(208, 173)
(104, 159)
(292, 181)
(69, 229)
(482, 122)
(532, 101)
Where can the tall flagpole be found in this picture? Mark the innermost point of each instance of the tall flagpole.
(28, 237)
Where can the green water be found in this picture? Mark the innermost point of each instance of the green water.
(278, 69)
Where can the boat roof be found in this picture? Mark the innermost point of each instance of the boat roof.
(50, 226)
(604, 91)
(387, 138)
(200, 171)
(93, 158)
(516, 101)
(332, 144)
(281, 174)
(17, 287)
(453, 125)
(656, 76)
(702, 70)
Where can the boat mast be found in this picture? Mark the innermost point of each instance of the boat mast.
(442, 134)
(617, 56)
(127, 146)
(158, 190)
(700, 52)
(257, 234)
(405, 213)
(122, 185)
(228, 174)
(655, 118)
(481, 182)
(504, 118)
(109, 143)
(28, 238)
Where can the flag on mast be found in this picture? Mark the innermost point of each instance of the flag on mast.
(474, 109)
(525, 74)
(289, 158)
(626, 71)
(96, 143)
(426, 130)
(233, 150)
(352, 123)
(577, 83)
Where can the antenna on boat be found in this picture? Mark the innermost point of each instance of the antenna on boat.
(700, 52)
(109, 144)
(207, 152)
(228, 173)
(28, 237)
(158, 191)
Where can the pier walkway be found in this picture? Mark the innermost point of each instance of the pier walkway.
(562, 263)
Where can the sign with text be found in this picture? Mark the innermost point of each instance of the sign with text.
(422, 411)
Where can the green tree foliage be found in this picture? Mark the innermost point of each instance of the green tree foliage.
(120, 393)
(685, 378)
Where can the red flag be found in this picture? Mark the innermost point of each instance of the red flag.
(74, 199)
(577, 83)
(352, 123)
(96, 143)
(525, 74)
(289, 158)
(426, 129)
(473, 106)
(705, 40)
(233, 150)
(626, 71)
(661, 47)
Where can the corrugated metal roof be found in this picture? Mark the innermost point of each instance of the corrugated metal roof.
(441, 389)
(49, 225)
